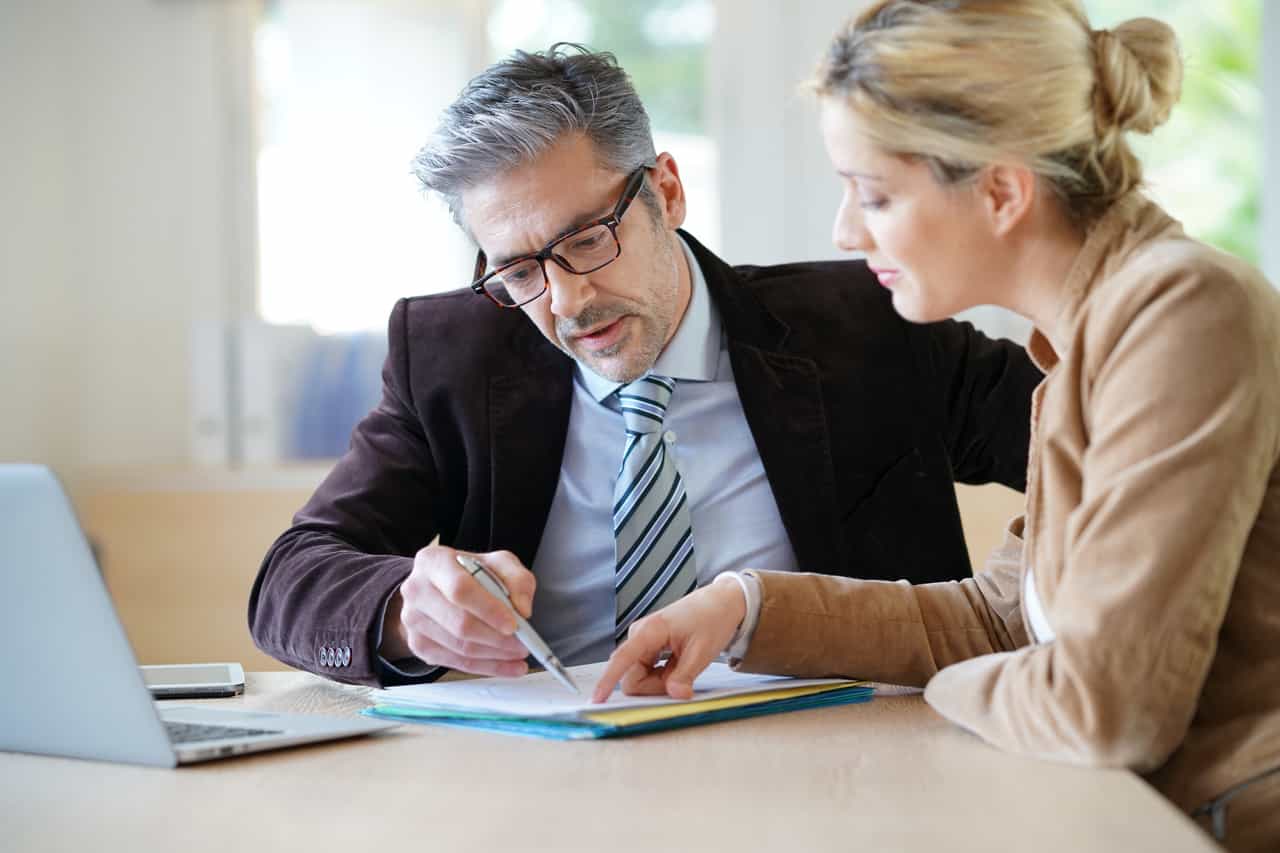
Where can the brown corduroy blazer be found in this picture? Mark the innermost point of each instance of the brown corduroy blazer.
(1152, 534)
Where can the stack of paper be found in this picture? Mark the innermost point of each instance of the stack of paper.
(539, 706)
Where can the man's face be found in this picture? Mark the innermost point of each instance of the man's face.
(616, 320)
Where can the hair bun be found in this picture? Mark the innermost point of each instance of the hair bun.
(1139, 75)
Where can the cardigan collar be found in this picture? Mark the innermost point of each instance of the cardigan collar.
(1109, 242)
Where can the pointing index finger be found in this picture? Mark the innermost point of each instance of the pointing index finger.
(642, 648)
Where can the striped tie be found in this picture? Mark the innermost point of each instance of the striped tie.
(651, 529)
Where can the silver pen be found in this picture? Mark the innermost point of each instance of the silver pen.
(524, 631)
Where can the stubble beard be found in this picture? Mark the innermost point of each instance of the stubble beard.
(654, 319)
(633, 354)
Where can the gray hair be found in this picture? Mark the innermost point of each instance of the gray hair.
(518, 108)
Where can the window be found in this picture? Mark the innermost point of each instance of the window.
(349, 91)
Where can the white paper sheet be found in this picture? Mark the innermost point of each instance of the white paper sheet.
(540, 695)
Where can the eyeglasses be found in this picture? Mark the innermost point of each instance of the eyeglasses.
(581, 251)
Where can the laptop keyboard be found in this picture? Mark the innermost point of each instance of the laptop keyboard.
(181, 733)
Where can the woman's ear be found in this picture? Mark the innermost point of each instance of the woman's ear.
(1007, 193)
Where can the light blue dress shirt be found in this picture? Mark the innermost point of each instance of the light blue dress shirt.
(736, 524)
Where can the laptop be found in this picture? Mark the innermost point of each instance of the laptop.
(70, 683)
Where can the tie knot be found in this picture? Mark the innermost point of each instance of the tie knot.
(644, 402)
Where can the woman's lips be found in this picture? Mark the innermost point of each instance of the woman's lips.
(886, 277)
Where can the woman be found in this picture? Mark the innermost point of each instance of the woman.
(1132, 617)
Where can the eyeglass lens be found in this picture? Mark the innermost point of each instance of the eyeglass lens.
(580, 252)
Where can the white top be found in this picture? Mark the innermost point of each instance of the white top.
(1037, 622)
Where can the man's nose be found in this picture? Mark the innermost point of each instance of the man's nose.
(570, 293)
(849, 232)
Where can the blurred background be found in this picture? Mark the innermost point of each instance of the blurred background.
(208, 213)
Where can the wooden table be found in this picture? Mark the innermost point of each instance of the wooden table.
(886, 775)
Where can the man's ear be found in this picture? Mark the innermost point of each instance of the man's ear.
(664, 180)
(1007, 193)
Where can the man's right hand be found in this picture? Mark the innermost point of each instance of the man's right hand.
(444, 617)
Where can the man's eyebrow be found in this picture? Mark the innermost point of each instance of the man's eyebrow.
(579, 222)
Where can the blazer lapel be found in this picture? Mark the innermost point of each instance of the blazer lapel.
(529, 419)
(782, 399)
(781, 396)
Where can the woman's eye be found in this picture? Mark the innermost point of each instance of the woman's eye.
(874, 204)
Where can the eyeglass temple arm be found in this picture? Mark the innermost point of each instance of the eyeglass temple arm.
(633, 188)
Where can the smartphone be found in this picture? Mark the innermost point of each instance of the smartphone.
(194, 680)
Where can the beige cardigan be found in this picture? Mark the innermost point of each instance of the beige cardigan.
(1153, 531)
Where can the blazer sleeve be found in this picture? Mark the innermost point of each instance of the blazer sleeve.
(1182, 443)
(325, 582)
(813, 626)
(983, 387)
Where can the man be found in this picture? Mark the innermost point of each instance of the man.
(614, 412)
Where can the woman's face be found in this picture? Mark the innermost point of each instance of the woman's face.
(927, 243)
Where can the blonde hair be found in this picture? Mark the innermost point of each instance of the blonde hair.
(965, 83)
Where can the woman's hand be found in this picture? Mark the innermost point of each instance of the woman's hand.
(694, 629)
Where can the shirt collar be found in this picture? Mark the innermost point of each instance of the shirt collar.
(692, 353)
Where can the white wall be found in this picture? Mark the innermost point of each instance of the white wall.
(115, 165)
(777, 190)
(33, 267)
